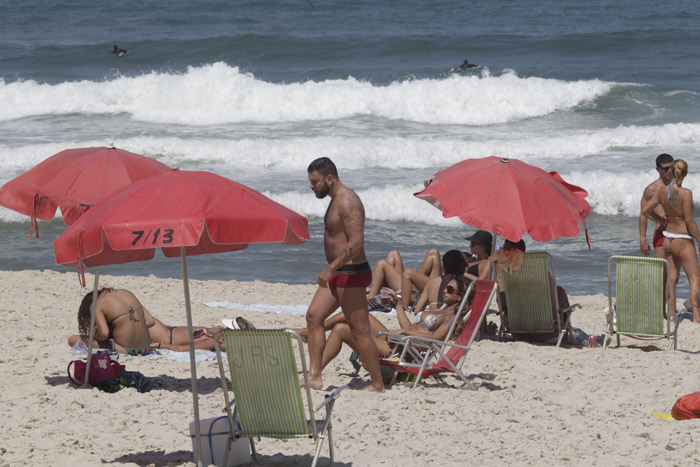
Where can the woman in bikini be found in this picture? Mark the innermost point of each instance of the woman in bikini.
(480, 246)
(679, 232)
(122, 323)
(434, 325)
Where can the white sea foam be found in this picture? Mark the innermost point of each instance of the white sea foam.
(562, 152)
(219, 93)
(10, 216)
(609, 193)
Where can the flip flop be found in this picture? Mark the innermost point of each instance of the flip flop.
(244, 324)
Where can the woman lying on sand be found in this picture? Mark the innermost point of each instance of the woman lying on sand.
(432, 324)
(122, 323)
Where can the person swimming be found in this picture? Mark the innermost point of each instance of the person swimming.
(119, 52)
(464, 66)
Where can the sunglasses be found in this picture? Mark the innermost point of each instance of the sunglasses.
(451, 290)
(665, 169)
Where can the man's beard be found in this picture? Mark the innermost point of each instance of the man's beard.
(322, 193)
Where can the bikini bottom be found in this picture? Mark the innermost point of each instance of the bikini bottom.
(672, 236)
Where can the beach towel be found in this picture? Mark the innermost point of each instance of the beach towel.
(200, 355)
(508, 261)
(687, 407)
(293, 309)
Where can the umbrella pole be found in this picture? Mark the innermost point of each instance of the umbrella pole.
(193, 363)
(93, 309)
(494, 277)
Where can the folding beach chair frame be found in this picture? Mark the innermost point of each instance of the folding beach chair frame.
(548, 304)
(671, 336)
(311, 428)
(437, 349)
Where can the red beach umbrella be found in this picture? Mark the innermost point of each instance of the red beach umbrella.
(509, 197)
(74, 180)
(184, 213)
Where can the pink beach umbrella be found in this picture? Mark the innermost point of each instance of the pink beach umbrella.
(74, 180)
(183, 213)
(509, 197)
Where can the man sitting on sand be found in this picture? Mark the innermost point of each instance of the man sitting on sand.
(122, 323)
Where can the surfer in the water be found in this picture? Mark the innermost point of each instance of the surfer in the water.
(464, 66)
(119, 52)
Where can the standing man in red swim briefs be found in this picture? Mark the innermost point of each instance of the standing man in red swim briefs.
(343, 283)
(663, 167)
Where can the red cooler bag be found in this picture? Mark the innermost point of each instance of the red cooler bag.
(101, 368)
(687, 407)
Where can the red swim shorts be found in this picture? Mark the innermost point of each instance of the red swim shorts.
(351, 275)
(658, 238)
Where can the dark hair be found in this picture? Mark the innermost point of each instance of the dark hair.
(663, 159)
(84, 311)
(324, 166)
(453, 263)
(519, 245)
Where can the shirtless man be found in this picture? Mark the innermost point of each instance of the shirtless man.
(663, 167)
(344, 281)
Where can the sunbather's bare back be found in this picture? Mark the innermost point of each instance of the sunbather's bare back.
(125, 316)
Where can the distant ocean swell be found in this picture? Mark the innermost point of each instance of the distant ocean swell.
(219, 93)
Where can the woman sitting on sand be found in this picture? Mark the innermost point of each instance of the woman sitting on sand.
(679, 232)
(434, 324)
(122, 323)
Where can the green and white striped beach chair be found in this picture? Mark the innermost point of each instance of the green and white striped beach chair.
(530, 295)
(640, 310)
(267, 396)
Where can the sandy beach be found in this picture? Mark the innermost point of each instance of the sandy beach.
(535, 404)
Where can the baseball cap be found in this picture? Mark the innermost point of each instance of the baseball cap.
(483, 238)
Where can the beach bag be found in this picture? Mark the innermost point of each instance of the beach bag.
(687, 407)
(102, 368)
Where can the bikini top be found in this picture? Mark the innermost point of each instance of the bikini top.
(130, 313)
(430, 322)
(474, 269)
(668, 198)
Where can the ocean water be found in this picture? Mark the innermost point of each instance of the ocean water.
(256, 90)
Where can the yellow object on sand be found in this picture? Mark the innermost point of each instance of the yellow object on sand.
(663, 416)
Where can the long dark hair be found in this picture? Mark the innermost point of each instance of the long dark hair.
(453, 262)
(84, 311)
